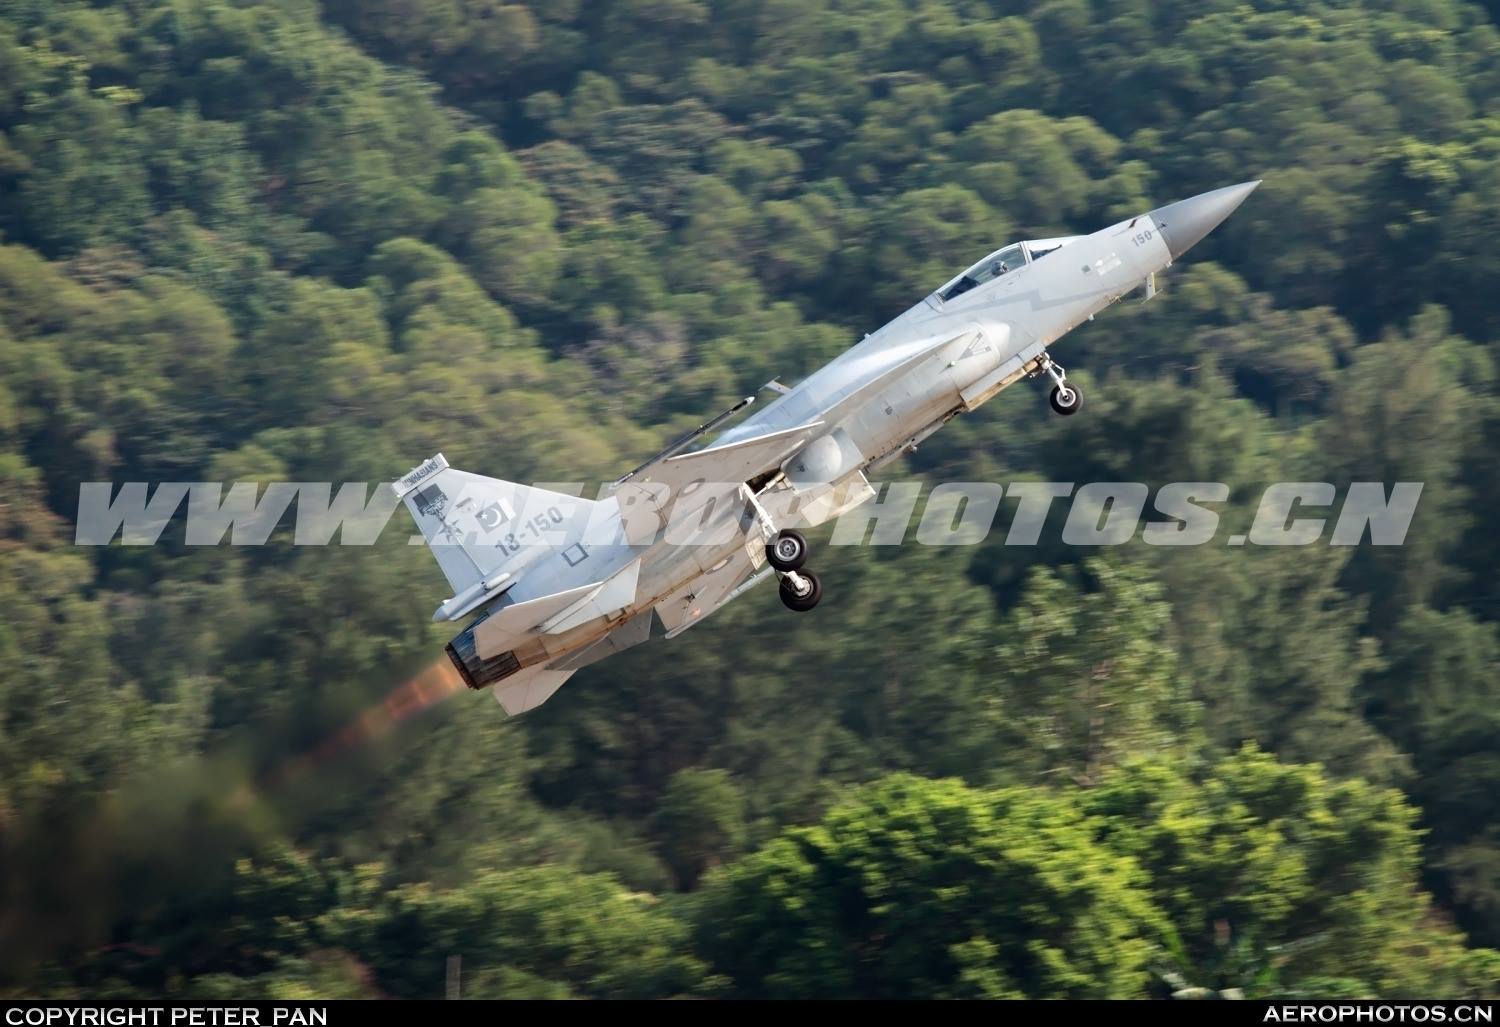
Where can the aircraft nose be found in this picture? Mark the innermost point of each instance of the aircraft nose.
(1185, 222)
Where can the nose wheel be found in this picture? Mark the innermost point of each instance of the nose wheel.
(1065, 399)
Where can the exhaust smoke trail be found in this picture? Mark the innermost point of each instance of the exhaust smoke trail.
(176, 831)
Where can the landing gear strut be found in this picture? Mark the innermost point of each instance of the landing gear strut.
(1065, 399)
(786, 552)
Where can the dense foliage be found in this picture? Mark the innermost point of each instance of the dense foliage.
(302, 242)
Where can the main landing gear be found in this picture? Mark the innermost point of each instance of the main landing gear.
(786, 552)
(1065, 399)
(801, 590)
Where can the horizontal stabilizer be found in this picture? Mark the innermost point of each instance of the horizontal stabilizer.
(498, 632)
(529, 688)
(616, 593)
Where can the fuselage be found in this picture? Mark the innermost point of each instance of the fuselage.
(999, 329)
(1017, 314)
(947, 354)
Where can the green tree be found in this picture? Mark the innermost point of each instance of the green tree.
(539, 930)
(321, 241)
(1436, 699)
(700, 821)
(1274, 874)
(929, 889)
(1086, 677)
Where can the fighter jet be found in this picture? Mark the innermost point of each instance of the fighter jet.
(554, 581)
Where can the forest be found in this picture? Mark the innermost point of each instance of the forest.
(302, 241)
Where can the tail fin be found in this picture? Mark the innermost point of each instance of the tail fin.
(483, 530)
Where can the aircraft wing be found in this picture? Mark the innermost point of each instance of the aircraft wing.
(893, 364)
(706, 593)
(660, 489)
(681, 484)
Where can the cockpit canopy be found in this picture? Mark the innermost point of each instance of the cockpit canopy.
(1001, 262)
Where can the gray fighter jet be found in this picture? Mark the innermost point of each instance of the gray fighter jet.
(555, 581)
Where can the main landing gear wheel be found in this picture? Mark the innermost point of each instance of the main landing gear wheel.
(1065, 399)
(801, 591)
(787, 551)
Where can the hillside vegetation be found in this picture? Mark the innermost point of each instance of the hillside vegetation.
(288, 241)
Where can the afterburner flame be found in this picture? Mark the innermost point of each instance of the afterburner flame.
(428, 688)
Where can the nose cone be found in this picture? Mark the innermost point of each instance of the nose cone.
(1185, 222)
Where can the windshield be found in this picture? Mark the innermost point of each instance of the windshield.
(988, 269)
(1039, 248)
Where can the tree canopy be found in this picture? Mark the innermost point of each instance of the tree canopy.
(300, 241)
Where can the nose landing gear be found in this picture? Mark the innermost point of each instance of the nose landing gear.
(1064, 399)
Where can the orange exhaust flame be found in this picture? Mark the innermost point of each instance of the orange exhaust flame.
(428, 688)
